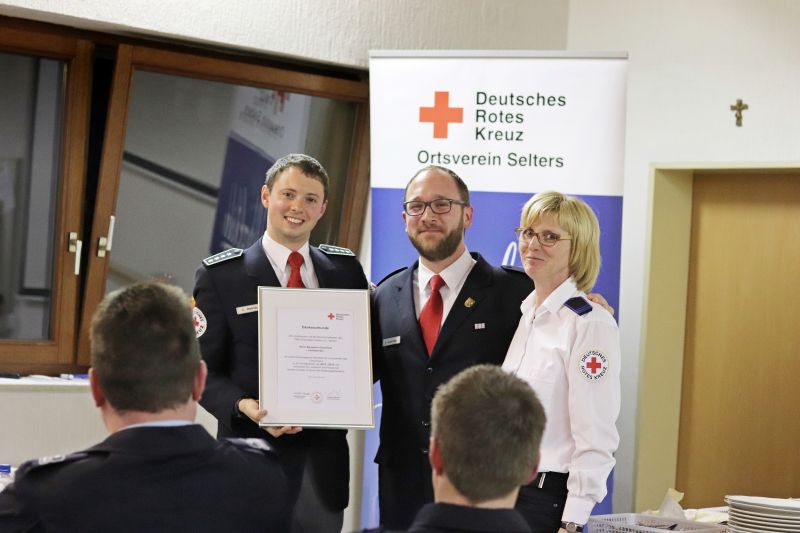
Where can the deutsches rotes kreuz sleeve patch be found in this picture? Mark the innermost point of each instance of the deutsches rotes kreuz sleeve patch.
(200, 322)
(593, 365)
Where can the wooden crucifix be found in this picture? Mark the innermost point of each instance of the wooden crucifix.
(738, 108)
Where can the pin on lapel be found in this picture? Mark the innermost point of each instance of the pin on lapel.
(469, 302)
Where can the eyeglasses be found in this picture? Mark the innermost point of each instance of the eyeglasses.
(440, 206)
(545, 238)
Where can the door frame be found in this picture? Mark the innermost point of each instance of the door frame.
(664, 321)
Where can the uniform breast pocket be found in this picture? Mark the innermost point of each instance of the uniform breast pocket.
(543, 382)
(245, 329)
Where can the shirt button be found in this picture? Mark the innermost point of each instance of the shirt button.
(429, 370)
(424, 451)
(426, 424)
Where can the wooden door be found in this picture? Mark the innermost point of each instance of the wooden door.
(740, 429)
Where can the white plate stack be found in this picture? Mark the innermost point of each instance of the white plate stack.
(755, 514)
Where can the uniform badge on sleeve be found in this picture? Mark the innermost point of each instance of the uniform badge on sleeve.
(200, 322)
(593, 365)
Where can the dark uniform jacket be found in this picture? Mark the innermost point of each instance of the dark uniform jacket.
(229, 346)
(448, 518)
(478, 329)
(150, 479)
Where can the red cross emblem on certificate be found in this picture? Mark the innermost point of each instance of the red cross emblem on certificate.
(331, 316)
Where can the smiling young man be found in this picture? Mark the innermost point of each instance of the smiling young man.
(316, 460)
(446, 312)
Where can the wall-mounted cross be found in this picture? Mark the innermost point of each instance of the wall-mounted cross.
(738, 108)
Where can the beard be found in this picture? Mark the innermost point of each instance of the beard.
(442, 249)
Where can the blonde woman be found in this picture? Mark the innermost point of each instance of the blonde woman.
(567, 349)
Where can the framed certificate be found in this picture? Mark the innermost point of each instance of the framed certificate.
(315, 361)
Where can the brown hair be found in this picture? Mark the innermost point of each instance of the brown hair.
(488, 425)
(143, 347)
(309, 166)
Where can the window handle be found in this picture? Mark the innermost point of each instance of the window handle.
(75, 247)
(104, 243)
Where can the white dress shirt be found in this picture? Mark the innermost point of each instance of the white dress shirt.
(573, 363)
(454, 277)
(278, 256)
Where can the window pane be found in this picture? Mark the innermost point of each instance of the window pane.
(196, 153)
(31, 105)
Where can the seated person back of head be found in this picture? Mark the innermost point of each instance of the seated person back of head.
(485, 435)
(157, 471)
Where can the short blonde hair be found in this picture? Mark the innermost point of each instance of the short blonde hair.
(578, 219)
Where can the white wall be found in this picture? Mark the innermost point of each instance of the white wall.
(333, 31)
(689, 61)
(50, 417)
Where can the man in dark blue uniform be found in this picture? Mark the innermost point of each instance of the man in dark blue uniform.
(157, 471)
(473, 314)
(226, 318)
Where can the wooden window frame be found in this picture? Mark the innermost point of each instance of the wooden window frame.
(75, 298)
(191, 65)
(57, 354)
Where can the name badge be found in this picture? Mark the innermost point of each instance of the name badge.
(243, 310)
(391, 341)
(480, 325)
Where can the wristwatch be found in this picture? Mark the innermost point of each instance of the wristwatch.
(571, 527)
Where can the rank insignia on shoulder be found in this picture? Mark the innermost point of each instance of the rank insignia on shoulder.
(53, 459)
(252, 444)
(579, 305)
(221, 257)
(335, 250)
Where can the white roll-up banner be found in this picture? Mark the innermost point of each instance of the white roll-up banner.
(511, 124)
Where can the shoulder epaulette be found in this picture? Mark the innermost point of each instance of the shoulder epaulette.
(227, 255)
(512, 268)
(579, 304)
(252, 445)
(390, 274)
(335, 250)
(51, 460)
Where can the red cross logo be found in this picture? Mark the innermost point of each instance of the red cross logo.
(331, 316)
(441, 114)
(594, 365)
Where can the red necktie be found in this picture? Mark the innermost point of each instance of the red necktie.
(430, 318)
(295, 281)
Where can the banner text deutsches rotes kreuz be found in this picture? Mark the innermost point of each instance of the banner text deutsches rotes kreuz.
(501, 118)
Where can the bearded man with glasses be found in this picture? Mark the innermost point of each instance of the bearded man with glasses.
(446, 312)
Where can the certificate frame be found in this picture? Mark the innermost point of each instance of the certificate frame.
(315, 358)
